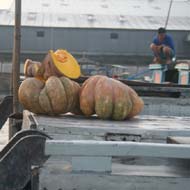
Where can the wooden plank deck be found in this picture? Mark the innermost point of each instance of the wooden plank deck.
(57, 173)
(136, 172)
(98, 181)
(148, 127)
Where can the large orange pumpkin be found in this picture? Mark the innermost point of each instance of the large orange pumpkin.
(109, 99)
(55, 96)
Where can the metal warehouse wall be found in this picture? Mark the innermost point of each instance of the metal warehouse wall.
(89, 41)
(6, 39)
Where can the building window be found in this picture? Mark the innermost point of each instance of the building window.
(40, 33)
(114, 35)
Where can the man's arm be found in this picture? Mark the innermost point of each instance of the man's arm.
(156, 48)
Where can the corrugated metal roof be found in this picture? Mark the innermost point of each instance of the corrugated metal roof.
(124, 14)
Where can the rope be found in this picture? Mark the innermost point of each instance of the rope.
(167, 19)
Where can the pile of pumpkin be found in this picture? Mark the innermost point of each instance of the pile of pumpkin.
(106, 97)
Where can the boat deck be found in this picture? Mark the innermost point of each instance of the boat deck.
(131, 172)
(142, 127)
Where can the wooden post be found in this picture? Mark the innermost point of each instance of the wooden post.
(15, 66)
(16, 56)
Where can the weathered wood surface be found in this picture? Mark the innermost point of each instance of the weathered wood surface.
(147, 128)
(178, 107)
(153, 91)
(111, 182)
(113, 148)
(96, 156)
(56, 174)
(127, 173)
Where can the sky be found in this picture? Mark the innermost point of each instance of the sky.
(5, 4)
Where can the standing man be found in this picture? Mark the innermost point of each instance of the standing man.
(163, 47)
